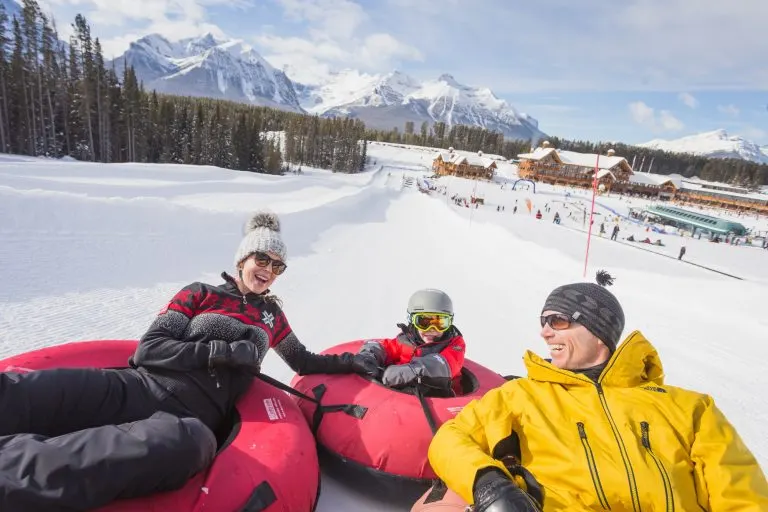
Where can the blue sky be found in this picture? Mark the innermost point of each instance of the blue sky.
(628, 70)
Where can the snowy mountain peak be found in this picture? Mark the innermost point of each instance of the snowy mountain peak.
(209, 66)
(717, 134)
(400, 80)
(391, 100)
(448, 79)
(714, 144)
(200, 44)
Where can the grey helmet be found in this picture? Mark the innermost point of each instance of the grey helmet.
(430, 300)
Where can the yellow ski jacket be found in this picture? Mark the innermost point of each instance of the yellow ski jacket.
(628, 443)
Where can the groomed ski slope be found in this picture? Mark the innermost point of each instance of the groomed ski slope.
(94, 251)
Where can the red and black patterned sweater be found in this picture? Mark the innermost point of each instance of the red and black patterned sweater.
(175, 349)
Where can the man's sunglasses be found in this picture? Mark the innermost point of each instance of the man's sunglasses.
(439, 322)
(263, 260)
(557, 321)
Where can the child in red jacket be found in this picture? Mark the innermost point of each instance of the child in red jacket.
(428, 351)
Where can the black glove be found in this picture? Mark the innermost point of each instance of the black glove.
(399, 375)
(494, 492)
(242, 353)
(365, 364)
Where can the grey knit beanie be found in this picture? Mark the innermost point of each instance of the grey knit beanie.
(591, 305)
(262, 234)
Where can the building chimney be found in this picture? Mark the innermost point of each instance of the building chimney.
(611, 152)
(450, 149)
(545, 144)
(479, 153)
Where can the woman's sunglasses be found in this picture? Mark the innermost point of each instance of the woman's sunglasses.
(263, 260)
(439, 322)
(557, 321)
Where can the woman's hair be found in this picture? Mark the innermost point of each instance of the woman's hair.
(273, 300)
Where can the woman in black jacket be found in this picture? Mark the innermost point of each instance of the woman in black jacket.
(76, 439)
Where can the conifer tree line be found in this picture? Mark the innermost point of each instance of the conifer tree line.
(460, 137)
(61, 99)
(338, 144)
(470, 138)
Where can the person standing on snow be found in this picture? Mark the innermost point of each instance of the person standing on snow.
(429, 349)
(682, 253)
(615, 232)
(78, 439)
(595, 427)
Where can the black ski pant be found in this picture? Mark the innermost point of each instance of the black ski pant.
(77, 439)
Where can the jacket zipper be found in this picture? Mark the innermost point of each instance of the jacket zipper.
(593, 467)
(646, 440)
(623, 450)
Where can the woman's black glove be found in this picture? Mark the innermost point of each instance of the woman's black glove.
(494, 492)
(242, 353)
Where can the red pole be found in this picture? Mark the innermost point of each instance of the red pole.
(592, 212)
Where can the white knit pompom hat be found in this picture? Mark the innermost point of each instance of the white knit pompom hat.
(262, 234)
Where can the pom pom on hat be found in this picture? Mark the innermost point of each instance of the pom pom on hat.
(262, 234)
(603, 278)
(263, 219)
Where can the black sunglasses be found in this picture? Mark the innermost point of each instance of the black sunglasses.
(263, 260)
(558, 321)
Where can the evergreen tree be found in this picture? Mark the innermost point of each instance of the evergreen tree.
(4, 72)
(84, 52)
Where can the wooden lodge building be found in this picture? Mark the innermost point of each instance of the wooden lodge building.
(615, 174)
(464, 165)
(575, 169)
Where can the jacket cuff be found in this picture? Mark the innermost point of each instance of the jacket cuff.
(488, 475)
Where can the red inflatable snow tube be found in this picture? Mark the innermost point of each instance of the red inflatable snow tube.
(392, 436)
(267, 461)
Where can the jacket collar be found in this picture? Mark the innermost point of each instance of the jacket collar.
(231, 286)
(634, 363)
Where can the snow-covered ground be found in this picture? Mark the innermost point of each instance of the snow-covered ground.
(92, 251)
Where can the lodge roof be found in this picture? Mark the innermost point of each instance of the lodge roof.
(578, 159)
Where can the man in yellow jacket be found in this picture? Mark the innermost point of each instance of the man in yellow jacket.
(597, 427)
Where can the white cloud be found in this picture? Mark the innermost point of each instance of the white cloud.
(641, 113)
(334, 18)
(688, 100)
(645, 115)
(384, 47)
(339, 34)
(670, 123)
(729, 110)
(174, 19)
